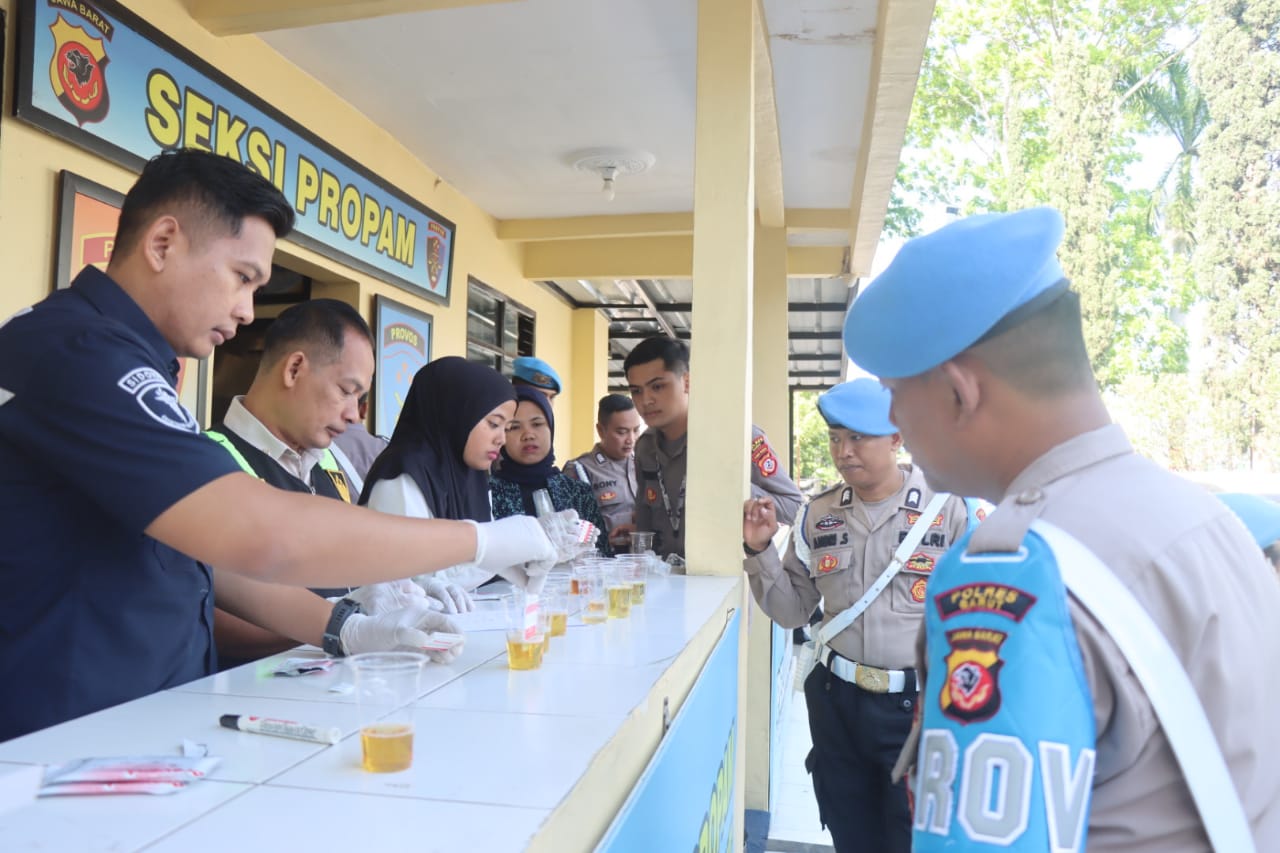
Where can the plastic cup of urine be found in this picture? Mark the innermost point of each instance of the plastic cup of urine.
(594, 594)
(618, 586)
(386, 684)
(527, 631)
(555, 601)
(635, 569)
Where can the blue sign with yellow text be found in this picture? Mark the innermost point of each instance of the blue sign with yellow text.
(684, 799)
(95, 74)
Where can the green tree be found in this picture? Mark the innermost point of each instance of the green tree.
(1017, 105)
(1237, 256)
(812, 456)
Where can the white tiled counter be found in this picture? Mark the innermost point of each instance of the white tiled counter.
(503, 760)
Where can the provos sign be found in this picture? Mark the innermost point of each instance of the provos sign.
(98, 76)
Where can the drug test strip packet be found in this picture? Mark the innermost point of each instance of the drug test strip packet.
(439, 641)
(80, 789)
(160, 768)
(293, 667)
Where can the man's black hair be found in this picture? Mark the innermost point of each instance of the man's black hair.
(611, 403)
(318, 327)
(203, 190)
(673, 352)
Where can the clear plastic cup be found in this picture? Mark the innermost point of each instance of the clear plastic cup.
(594, 594)
(555, 600)
(641, 541)
(527, 630)
(618, 585)
(386, 683)
(635, 568)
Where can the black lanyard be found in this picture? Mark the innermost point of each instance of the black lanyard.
(672, 519)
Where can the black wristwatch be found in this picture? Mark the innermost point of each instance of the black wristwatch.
(752, 552)
(342, 611)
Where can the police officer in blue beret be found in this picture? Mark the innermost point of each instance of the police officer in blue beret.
(861, 694)
(535, 373)
(113, 505)
(1038, 732)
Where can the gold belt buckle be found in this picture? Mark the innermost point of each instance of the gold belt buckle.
(871, 679)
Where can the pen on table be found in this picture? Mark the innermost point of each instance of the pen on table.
(281, 728)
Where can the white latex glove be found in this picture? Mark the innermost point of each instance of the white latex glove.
(512, 542)
(399, 630)
(378, 598)
(453, 598)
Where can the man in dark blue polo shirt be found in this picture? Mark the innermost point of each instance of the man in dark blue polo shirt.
(109, 495)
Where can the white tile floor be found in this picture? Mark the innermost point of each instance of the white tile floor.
(794, 826)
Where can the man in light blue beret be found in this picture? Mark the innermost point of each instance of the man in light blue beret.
(861, 693)
(974, 330)
(536, 373)
(1261, 518)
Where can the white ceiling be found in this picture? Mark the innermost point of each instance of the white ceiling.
(495, 97)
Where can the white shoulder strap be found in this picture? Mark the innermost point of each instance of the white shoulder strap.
(1165, 681)
(900, 556)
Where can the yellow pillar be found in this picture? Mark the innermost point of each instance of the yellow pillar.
(586, 381)
(723, 223)
(769, 401)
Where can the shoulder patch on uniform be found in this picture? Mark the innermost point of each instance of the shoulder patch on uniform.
(971, 691)
(762, 456)
(158, 399)
(913, 498)
(846, 496)
(985, 598)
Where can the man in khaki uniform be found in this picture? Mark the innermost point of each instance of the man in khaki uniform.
(658, 374)
(610, 467)
(1001, 402)
(862, 695)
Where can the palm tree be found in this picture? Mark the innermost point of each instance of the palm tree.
(1170, 102)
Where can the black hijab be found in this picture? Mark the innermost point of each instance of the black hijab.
(447, 399)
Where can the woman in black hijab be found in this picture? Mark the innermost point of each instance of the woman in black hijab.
(528, 464)
(451, 430)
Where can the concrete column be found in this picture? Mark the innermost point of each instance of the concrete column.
(769, 399)
(720, 372)
(586, 381)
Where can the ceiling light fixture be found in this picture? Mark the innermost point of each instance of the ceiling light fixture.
(609, 163)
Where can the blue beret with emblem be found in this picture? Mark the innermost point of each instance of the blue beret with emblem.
(947, 290)
(1260, 515)
(861, 406)
(537, 372)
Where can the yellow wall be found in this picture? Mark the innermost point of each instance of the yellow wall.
(31, 159)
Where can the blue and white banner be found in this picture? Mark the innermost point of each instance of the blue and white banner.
(95, 74)
(684, 799)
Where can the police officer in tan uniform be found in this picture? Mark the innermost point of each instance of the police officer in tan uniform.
(861, 695)
(610, 467)
(1000, 401)
(658, 374)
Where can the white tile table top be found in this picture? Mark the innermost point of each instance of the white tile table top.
(256, 680)
(558, 687)
(108, 823)
(529, 760)
(284, 819)
(157, 725)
